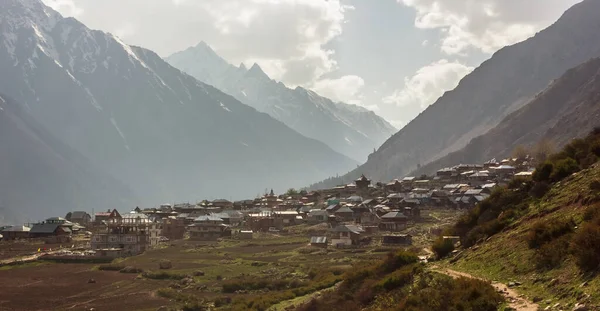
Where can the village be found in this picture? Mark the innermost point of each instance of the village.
(348, 216)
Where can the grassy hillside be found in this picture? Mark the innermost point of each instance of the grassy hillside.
(543, 234)
(400, 283)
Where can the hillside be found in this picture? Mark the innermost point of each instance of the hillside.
(567, 109)
(41, 177)
(501, 85)
(348, 129)
(160, 131)
(544, 237)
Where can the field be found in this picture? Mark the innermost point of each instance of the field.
(205, 273)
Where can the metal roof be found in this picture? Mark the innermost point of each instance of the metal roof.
(208, 218)
(318, 240)
(17, 229)
(344, 209)
(348, 228)
(134, 215)
(44, 228)
(392, 215)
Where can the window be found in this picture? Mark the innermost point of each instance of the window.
(113, 238)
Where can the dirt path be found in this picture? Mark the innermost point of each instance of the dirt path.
(516, 301)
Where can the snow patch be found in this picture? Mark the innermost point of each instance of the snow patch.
(224, 107)
(243, 143)
(244, 93)
(93, 100)
(348, 140)
(114, 123)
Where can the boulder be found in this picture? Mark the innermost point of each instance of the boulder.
(165, 264)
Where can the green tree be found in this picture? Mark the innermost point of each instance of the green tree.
(291, 192)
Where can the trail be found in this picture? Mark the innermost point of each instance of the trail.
(516, 301)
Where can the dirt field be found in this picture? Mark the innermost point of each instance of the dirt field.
(66, 287)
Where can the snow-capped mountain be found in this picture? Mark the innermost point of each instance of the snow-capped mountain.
(348, 129)
(159, 130)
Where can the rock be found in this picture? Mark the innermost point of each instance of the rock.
(536, 299)
(198, 273)
(91, 281)
(165, 264)
(584, 284)
(553, 282)
(512, 284)
(580, 307)
(131, 269)
(517, 283)
(556, 306)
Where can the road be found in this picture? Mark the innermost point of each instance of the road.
(515, 301)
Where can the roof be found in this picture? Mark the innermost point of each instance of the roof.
(331, 207)
(524, 174)
(392, 215)
(348, 228)
(134, 215)
(316, 212)
(17, 229)
(344, 209)
(80, 214)
(505, 167)
(208, 218)
(221, 201)
(44, 228)
(491, 185)
(285, 213)
(473, 191)
(318, 240)
(395, 196)
(55, 219)
(410, 178)
(355, 198)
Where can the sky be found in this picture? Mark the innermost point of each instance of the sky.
(395, 57)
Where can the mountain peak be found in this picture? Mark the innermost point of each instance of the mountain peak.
(257, 72)
(243, 67)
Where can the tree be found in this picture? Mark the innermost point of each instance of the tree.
(442, 247)
(543, 149)
(291, 192)
(520, 153)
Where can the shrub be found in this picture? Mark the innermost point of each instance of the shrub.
(595, 185)
(394, 261)
(165, 264)
(545, 231)
(564, 168)
(163, 275)
(543, 172)
(442, 248)
(586, 247)
(232, 286)
(130, 269)
(540, 189)
(552, 254)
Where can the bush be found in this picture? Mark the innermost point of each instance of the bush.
(110, 268)
(540, 189)
(543, 172)
(163, 275)
(233, 286)
(595, 185)
(393, 261)
(165, 264)
(545, 231)
(130, 269)
(586, 247)
(442, 248)
(564, 168)
(552, 254)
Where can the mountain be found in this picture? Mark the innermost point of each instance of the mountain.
(501, 85)
(160, 131)
(568, 109)
(42, 177)
(348, 129)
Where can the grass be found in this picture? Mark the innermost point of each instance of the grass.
(507, 256)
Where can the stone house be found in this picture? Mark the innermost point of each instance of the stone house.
(133, 234)
(393, 221)
(208, 228)
(80, 217)
(346, 235)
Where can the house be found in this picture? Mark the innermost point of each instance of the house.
(504, 171)
(395, 199)
(230, 217)
(331, 209)
(133, 234)
(54, 230)
(394, 186)
(79, 217)
(318, 241)
(412, 212)
(355, 199)
(208, 228)
(524, 175)
(393, 221)
(287, 218)
(109, 215)
(245, 235)
(447, 173)
(346, 235)
(317, 216)
(173, 228)
(222, 203)
(400, 239)
(15, 233)
(345, 214)
(362, 183)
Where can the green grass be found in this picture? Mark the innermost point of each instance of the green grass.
(507, 257)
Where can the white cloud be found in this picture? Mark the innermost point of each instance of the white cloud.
(66, 7)
(346, 89)
(486, 25)
(428, 84)
(285, 37)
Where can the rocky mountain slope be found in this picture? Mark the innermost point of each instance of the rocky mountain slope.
(42, 177)
(348, 129)
(569, 108)
(167, 135)
(501, 85)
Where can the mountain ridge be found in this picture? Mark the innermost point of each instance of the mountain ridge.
(501, 85)
(159, 130)
(346, 128)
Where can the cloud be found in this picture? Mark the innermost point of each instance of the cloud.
(286, 37)
(428, 84)
(346, 89)
(485, 25)
(66, 7)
